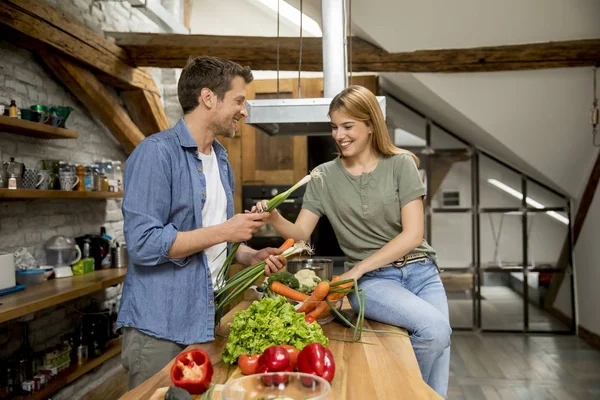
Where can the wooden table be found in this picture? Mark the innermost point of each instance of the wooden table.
(387, 369)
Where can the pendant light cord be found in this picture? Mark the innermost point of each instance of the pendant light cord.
(300, 58)
(278, 1)
(594, 113)
(350, 38)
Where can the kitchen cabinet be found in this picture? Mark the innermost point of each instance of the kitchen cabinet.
(275, 160)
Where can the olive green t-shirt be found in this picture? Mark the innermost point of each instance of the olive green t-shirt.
(364, 211)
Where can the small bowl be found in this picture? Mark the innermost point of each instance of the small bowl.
(277, 385)
(48, 270)
(30, 277)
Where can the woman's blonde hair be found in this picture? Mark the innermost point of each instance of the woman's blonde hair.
(360, 104)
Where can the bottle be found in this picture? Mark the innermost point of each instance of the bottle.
(82, 348)
(118, 175)
(113, 321)
(12, 110)
(24, 359)
(81, 176)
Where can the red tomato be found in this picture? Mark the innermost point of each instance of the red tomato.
(293, 353)
(248, 364)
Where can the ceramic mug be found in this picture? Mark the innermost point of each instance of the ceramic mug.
(68, 181)
(32, 178)
(45, 185)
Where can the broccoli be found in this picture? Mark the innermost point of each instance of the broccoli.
(284, 277)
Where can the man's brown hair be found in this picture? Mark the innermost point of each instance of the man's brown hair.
(213, 73)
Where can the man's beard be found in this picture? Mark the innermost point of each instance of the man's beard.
(220, 130)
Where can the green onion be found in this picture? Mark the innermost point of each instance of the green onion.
(271, 205)
(240, 282)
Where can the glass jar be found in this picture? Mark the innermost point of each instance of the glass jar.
(104, 183)
(88, 178)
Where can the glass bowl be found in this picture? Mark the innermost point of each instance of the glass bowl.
(277, 386)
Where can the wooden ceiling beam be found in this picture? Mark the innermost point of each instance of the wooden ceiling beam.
(98, 100)
(146, 110)
(42, 27)
(260, 53)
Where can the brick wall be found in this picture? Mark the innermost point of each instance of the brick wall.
(29, 223)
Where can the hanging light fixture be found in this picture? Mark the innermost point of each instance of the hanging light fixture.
(309, 116)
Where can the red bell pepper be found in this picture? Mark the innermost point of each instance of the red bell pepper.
(192, 371)
(316, 359)
(274, 359)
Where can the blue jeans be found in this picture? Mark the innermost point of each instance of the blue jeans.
(413, 298)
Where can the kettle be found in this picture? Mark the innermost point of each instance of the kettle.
(14, 174)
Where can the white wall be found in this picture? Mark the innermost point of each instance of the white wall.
(587, 264)
(240, 18)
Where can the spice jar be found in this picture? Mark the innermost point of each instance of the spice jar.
(81, 176)
(104, 184)
(12, 109)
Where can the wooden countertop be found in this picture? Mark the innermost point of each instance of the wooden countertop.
(55, 291)
(385, 369)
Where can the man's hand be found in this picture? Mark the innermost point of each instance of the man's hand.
(241, 227)
(274, 262)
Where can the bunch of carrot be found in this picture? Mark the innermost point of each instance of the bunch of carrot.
(324, 298)
(321, 300)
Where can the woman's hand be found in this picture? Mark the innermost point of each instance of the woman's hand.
(260, 207)
(354, 273)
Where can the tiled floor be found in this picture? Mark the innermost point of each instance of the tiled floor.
(501, 308)
(519, 367)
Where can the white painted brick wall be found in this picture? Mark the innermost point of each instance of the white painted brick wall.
(29, 223)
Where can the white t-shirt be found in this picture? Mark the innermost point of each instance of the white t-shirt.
(214, 211)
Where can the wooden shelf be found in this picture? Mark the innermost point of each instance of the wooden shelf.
(73, 372)
(56, 194)
(55, 291)
(34, 129)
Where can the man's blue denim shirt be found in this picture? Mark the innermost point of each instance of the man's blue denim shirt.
(164, 193)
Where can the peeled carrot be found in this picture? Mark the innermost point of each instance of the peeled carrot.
(287, 244)
(323, 307)
(317, 295)
(281, 289)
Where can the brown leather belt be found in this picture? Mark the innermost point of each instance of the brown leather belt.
(408, 259)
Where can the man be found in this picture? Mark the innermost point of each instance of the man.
(178, 212)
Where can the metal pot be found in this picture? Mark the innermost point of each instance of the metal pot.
(323, 267)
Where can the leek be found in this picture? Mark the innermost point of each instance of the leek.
(271, 205)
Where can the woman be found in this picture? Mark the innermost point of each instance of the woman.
(372, 194)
